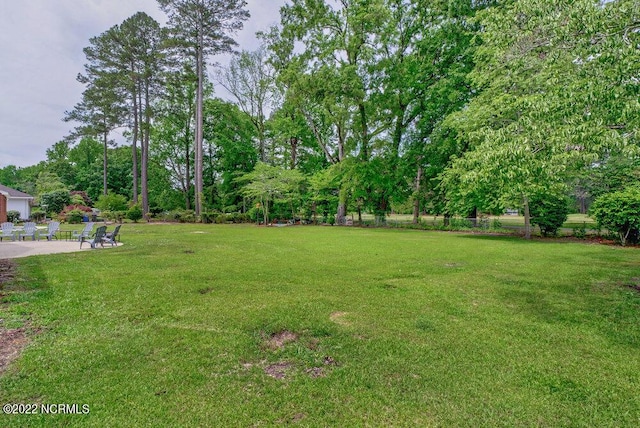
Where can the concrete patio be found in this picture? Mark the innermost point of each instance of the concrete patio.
(16, 249)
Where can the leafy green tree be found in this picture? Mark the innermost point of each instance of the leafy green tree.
(268, 184)
(9, 175)
(250, 79)
(111, 202)
(54, 201)
(134, 213)
(172, 139)
(229, 134)
(619, 212)
(49, 182)
(100, 112)
(85, 154)
(59, 163)
(539, 117)
(130, 56)
(328, 78)
(549, 213)
(200, 28)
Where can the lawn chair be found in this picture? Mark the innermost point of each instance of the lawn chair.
(52, 229)
(29, 229)
(6, 231)
(110, 237)
(97, 238)
(85, 233)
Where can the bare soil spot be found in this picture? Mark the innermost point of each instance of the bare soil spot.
(634, 284)
(278, 341)
(278, 370)
(12, 343)
(338, 318)
(12, 340)
(315, 372)
(7, 271)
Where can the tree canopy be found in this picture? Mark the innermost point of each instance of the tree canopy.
(448, 107)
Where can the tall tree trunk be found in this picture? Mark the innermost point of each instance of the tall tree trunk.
(416, 198)
(293, 142)
(342, 207)
(134, 145)
(187, 184)
(144, 170)
(365, 132)
(105, 138)
(199, 124)
(527, 218)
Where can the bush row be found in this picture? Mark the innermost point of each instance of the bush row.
(189, 216)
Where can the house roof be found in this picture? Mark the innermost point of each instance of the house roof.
(13, 193)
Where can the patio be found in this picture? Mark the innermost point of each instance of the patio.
(16, 249)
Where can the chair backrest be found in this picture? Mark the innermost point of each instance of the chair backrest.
(100, 233)
(7, 227)
(88, 227)
(115, 232)
(29, 227)
(53, 227)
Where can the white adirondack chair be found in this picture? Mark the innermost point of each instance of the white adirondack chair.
(52, 229)
(6, 231)
(29, 229)
(84, 233)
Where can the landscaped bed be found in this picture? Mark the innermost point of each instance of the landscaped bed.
(237, 325)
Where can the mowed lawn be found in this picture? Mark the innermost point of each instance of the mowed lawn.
(224, 326)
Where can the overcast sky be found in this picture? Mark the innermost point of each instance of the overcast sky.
(41, 44)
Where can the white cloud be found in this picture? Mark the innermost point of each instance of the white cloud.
(41, 54)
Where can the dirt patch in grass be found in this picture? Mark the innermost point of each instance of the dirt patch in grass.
(316, 372)
(7, 271)
(634, 284)
(12, 340)
(278, 370)
(338, 318)
(278, 341)
(288, 366)
(12, 343)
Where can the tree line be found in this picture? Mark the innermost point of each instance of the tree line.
(450, 107)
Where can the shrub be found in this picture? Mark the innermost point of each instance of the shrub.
(255, 214)
(460, 224)
(71, 213)
(13, 216)
(54, 202)
(80, 197)
(82, 208)
(112, 202)
(37, 214)
(580, 232)
(73, 216)
(549, 213)
(619, 212)
(208, 217)
(182, 216)
(113, 215)
(134, 213)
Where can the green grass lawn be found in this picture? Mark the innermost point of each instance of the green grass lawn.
(210, 325)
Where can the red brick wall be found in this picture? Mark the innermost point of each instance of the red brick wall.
(3, 209)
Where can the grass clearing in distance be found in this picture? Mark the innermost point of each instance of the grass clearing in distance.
(222, 325)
